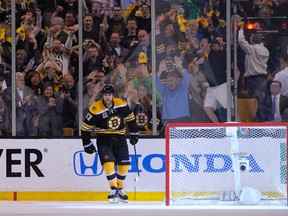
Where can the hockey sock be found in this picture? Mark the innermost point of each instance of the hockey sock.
(110, 173)
(121, 175)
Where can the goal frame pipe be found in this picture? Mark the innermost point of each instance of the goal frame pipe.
(234, 124)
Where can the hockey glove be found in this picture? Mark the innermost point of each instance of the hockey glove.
(89, 148)
(133, 139)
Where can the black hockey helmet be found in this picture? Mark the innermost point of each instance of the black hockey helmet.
(108, 89)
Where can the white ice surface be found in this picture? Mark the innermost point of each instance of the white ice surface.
(17, 208)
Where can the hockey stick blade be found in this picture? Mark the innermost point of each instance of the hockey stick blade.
(137, 178)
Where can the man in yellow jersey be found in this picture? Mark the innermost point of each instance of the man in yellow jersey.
(109, 116)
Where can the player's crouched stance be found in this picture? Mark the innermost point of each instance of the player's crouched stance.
(110, 116)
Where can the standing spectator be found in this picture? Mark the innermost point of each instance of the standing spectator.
(143, 46)
(97, 75)
(26, 40)
(130, 95)
(192, 34)
(175, 91)
(91, 59)
(116, 23)
(110, 60)
(131, 37)
(271, 41)
(115, 43)
(54, 49)
(32, 80)
(91, 94)
(143, 21)
(97, 17)
(120, 51)
(118, 79)
(25, 107)
(100, 76)
(256, 59)
(68, 93)
(21, 60)
(89, 30)
(70, 21)
(139, 75)
(143, 112)
(32, 21)
(197, 91)
(215, 101)
(57, 30)
(144, 41)
(50, 107)
(205, 47)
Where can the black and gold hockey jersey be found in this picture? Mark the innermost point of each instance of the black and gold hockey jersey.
(108, 121)
(144, 120)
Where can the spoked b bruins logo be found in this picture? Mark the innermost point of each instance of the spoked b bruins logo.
(114, 122)
(141, 119)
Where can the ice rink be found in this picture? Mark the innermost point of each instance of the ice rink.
(133, 209)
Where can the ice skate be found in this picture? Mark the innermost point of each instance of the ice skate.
(113, 197)
(122, 196)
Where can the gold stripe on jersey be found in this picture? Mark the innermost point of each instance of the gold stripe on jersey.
(182, 45)
(130, 117)
(160, 49)
(86, 127)
(109, 131)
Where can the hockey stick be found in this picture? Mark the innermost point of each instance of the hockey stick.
(137, 178)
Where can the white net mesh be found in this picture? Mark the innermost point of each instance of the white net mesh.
(202, 161)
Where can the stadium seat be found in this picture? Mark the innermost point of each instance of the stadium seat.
(247, 108)
(68, 132)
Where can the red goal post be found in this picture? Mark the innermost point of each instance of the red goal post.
(226, 163)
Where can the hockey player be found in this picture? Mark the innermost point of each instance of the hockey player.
(109, 116)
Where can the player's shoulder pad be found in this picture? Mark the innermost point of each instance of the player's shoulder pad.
(96, 107)
(119, 102)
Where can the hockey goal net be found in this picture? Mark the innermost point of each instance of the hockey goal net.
(216, 163)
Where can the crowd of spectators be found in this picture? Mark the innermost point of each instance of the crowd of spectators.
(191, 80)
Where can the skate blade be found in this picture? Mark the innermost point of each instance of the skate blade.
(114, 200)
(123, 201)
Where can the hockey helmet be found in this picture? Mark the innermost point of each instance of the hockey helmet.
(108, 89)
